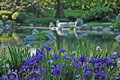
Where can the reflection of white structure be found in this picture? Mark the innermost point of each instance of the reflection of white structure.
(63, 24)
(62, 32)
(80, 35)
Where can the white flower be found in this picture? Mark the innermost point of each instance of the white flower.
(51, 61)
(77, 76)
(119, 62)
(73, 52)
(28, 46)
(114, 53)
(98, 48)
(7, 65)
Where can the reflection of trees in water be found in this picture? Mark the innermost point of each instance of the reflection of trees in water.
(66, 41)
(89, 42)
(12, 39)
(101, 38)
(59, 41)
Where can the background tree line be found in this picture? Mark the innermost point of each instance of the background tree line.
(38, 7)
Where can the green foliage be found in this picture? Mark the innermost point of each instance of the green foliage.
(15, 15)
(30, 15)
(36, 6)
(116, 24)
(71, 27)
(93, 24)
(68, 13)
(71, 18)
(21, 17)
(15, 60)
(3, 60)
(41, 35)
(99, 14)
(16, 57)
(45, 20)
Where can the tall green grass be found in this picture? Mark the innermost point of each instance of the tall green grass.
(15, 57)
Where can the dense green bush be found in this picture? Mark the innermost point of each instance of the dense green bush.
(41, 35)
(71, 18)
(100, 14)
(21, 17)
(116, 24)
(30, 14)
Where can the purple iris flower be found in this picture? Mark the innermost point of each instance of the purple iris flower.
(77, 66)
(74, 59)
(118, 56)
(100, 75)
(109, 62)
(118, 77)
(92, 60)
(46, 47)
(57, 70)
(83, 59)
(62, 66)
(63, 50)
(11, 77)
(66, 57)
(55, 57)
(41, 53)
(87, 75)
(34, 78)
(4, 78)
(113, 57)
(89, 69)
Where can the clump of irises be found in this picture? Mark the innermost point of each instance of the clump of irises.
(45, 65)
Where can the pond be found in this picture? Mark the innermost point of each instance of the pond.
(68, 40)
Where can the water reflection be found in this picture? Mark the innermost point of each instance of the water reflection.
(68, 40)
(80, 35)
(10, 39)
(62, 32)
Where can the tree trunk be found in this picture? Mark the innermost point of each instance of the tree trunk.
(59, 10)
(118, 8)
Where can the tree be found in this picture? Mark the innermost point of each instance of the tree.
(59, 10)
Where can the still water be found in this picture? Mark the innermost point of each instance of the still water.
(66, 40)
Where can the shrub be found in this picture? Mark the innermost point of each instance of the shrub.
(22, 16)
(116, 24)
(30, 14)
(71, 18)
(99, 14)
(41, 35)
